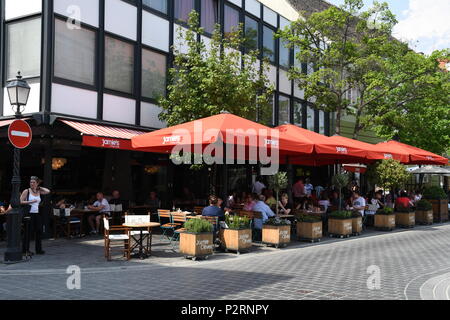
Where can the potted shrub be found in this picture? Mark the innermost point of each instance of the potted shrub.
(237, 234)
(438, 199)
(196, 240)
(277, 232)
(385, 219)
(424, 212)
(309, 228)
(405, 217)
(340, 224)
(357, 223)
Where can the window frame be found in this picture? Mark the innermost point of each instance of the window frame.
(149, 48)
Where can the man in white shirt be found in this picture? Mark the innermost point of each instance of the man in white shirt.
(100, 207)
(308, 187)
(359, 203)
(258, 186)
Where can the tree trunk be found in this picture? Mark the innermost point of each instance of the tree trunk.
(358, 126)
(338, 121)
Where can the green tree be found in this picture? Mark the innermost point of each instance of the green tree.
(388, 174)
(278, 182)
(208, 79)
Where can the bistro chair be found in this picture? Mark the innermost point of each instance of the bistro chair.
(63, 223)
(138, 219)
(122, 237)
(165, 220)
(178, 218)
(252, 215)
(215, 222)
(198, 210)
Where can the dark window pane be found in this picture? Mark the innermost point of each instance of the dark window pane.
(297, 62)
(160, 5)
(266, 113)
(119, 65)
(183, 8)
(153, 74)
(321, 122)
(251, 34)
(269, 43)
(298, 113)
(284, 110)
(231, 19)
(210, 14)
(311, 118)
(284, 54)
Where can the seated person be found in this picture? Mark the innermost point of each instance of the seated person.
(265, 210)
(358, 203)
(403, 201)
(270, 199)
(101, 207)
(153, 200)
(116, 199)
(61, 204)
(324, 201)
(214, 210)
(284, 205)
(250, 202)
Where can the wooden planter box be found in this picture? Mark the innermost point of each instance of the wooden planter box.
(340, 227)
(440, 210)
(310, 231)
(424, 217)
(196, 245)
(357, 225)
(385, 222)
(405, 219)
(236, 240)
(278, 236)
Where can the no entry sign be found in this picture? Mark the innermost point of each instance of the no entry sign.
(19, 134)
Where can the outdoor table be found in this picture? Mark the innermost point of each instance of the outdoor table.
(140, 241)
(82, 214)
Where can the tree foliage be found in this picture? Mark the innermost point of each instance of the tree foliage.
(209, 78)
(388, 174)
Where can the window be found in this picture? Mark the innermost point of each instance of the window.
(160, 5)
(210, 14)
(310, 125)
(269, 43)
(266, 113)
(298, 113)
(23, 48)
(284, 110)
(183, 8)
(74, 53)
(297, 61)
(153, 74)
(119, 65)
(231, 19)
(285, 54)
(321, 122)
(251, 34)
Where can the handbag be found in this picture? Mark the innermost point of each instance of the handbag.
(26, 208)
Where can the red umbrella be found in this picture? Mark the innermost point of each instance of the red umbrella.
(415, 155)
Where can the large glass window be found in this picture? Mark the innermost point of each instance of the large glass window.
(210, 14)
(153, 74)
(23, 48)
(298, 113)
(321, 122)
(183, 8)
(74, 53)
(269, 43)
(251, 34)
(266, 113)
(284, 110)
(119, 65)
(297, 61)
(310, 119)
(231, 19)
(160, 5)
(285, 54)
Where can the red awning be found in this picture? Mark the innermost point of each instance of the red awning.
(101, 136)
(416, 155)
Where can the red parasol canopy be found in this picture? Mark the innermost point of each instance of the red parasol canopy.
(415, 155)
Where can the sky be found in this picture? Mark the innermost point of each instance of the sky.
(424, 24)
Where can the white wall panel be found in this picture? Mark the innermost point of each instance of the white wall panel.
(121, 18)
(86, 11)
(178, 43)
(285, 83)
(33, 104)
(74, 101)
(270, 16)
(149, 116)
(254, 7)
(155, 31)
(20, 8)
(119, 109)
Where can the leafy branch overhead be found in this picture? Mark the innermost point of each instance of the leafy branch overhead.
(208, 78)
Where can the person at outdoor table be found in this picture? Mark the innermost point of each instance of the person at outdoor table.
(258, 186)
(214, 209)
(152, 200)
(358, 203)
(285, 206)
(308, 187)
(271, 201)
(336, 201)
(375, 202)
(324, 201)
(265, 210)
(100, 207)
(403, 201)
(298, 190)
(116, 199)
(250, 202)
(32, 197)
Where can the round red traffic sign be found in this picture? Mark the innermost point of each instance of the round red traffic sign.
(20, 134)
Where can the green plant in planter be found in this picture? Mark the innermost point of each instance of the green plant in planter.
(434, 193)
(340, 181)
(403, 209)
(237, 223)
(424, 205)
(278, 222)
(198, 226)
(341, 215)
(308, 218)
(386, 211)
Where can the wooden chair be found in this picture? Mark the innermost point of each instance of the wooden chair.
(252, 215)
(198, 210)
(117, 213)
(137, 219)
(124, 237)
(178, 218)
(63, 223)
(165, 220)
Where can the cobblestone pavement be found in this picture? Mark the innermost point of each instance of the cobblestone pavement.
(413, 264)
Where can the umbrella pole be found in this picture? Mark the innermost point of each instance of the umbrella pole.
(225, 176)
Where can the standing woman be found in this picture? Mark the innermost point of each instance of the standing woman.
(32, 197)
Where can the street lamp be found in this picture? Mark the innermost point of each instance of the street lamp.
(18, 92)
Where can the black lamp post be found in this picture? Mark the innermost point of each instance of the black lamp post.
(18, 92)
